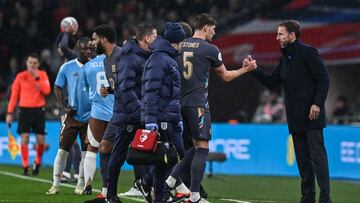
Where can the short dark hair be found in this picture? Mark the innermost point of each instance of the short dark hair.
(187, 28)
(143, 30)
(291, 26)
(82, 40)
(32, 55)
(106, 31)
(203, 19)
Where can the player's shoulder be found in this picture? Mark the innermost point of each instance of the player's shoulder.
(22, 74)
(42, 72)
(97, 61)
(69, 63)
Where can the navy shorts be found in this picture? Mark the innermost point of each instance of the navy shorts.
(197, 123)
(110, 131)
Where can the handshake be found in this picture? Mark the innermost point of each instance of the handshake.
(249, 64)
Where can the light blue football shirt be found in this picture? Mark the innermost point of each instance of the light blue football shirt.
(95, 78)
(71, 76)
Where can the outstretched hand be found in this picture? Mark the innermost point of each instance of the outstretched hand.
(249, 64)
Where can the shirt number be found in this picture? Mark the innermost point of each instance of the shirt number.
(188, 66)
(101, 81)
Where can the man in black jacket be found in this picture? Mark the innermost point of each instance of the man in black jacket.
(305, 80)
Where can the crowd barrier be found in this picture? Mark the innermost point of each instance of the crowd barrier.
(251, 149)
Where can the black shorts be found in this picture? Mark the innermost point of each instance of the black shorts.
(197, 123)
(70, 129)
(32, 120)
(109, 134)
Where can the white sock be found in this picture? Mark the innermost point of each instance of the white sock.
(81, 182)
(195, 196)
(104, 191)
(171, 181)
(182, 189)
(89, 167)
(59, 166)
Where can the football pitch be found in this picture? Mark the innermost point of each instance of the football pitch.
(221, 188)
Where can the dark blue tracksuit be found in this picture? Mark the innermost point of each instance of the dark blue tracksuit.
(127, 109)
(161, 101)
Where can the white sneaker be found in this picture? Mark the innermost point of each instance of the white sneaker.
(132, 192)
(53, 190)
(79, 190)
(202, 200)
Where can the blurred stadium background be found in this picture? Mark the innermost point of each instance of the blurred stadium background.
(244, 27)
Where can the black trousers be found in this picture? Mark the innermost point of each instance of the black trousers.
(312, 162)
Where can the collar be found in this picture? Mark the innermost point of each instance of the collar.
(290, 48)
(79, 63)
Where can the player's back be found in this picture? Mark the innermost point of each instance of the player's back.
(101, 107)
(110, 64)
(196, 59)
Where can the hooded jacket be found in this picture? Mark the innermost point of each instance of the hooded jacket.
(161, 84)
(127, 106)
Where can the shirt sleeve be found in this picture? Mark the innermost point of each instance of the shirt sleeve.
(321, 76)
(15, 93)
(44, 83)
(61, 78)
(215, 57)
(64, 46)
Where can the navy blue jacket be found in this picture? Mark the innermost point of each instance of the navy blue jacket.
(161, 84)
(306, 81)
(127, 107)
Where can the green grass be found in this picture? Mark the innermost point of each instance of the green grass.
(241, 188)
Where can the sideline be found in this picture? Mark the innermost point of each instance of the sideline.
(61, 184)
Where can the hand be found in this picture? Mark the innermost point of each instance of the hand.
(34, 72)
(249, 64)
(72, 29)
(69, 110)
(9, 119)
(151, 126)
(103, 91)
(314, 112)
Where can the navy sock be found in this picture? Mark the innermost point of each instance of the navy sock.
(104, 160)
(148, 177)
(198, 168)
(76, 158)
(179, 168)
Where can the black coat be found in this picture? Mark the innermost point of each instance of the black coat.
(305, 80)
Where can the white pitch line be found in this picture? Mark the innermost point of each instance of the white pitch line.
(248, 201)
(61, 184)
(234, 200)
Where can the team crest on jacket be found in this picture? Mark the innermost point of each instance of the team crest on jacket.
(129, 128)
(163, 125)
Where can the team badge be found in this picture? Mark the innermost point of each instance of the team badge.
(163, 125)
(220, 57)
(130, 128)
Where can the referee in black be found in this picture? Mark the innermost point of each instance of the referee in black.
(306, 82)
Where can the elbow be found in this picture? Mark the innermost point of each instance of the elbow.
(227, 78)
(46, 91)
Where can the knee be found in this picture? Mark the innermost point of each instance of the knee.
(105, 147)
(24, 139)
(201, 144)
(40, 139)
